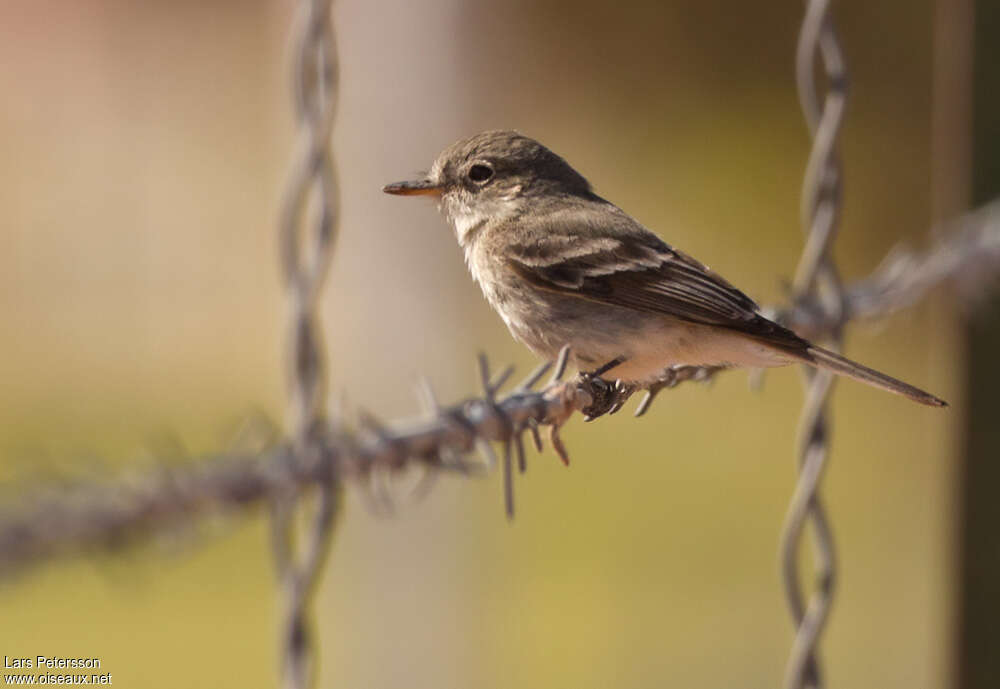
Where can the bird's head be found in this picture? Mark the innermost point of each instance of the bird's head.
(496, 175)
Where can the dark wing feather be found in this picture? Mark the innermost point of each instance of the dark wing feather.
(626, 265)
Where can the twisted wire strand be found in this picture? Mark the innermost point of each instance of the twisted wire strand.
(965, 256)
(50, 520)
(45, 518)
(307, 230)
(816, 278)
(42, 519)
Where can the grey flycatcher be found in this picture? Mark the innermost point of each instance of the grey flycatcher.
(562, 266)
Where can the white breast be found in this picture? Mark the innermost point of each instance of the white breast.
(467, 223)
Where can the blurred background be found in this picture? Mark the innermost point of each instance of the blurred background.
(144, 153)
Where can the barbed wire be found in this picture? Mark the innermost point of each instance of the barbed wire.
(43, 520)
(307, 229)
(301, 478)
(50, 520)
(965, 256)
(817, 280)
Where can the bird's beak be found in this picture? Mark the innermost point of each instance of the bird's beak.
(420, 187)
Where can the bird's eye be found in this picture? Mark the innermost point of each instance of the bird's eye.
(480, 173)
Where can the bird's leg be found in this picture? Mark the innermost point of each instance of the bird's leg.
(601, 370)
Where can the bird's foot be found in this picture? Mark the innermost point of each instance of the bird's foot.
(608, 397)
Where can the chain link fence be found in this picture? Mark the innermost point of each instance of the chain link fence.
(301, 476)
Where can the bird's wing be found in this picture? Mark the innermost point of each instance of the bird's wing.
(610, 258)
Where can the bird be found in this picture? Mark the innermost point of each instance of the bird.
(564, 267)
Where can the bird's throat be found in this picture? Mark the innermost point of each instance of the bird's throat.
(467, 224)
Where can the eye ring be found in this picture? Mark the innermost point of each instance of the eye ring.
(480, 173)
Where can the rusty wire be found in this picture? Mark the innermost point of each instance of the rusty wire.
(45, 520)
(816, 280)
(307, 230)
(300, 479)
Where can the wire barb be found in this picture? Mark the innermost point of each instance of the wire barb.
(536, 436)
(301, 477)
(557, 445)
(535, 376)
(508, 481)
(52, 519)
(560, 367)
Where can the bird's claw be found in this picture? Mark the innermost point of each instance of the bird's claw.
(608, 398)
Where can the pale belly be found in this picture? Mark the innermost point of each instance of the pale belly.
(599, 333)
(647, 343)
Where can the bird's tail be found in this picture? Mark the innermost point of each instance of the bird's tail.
(827, 360)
